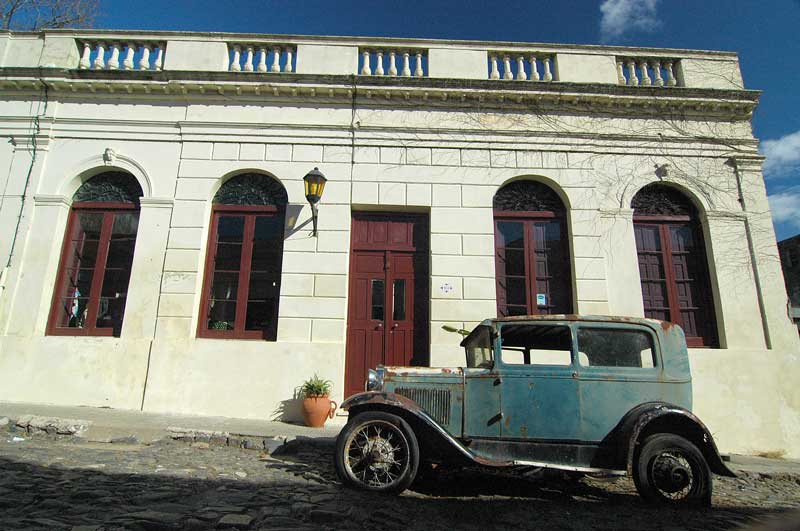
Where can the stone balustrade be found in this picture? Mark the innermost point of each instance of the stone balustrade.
(370, 57)
(521, 66)
(393, 62)
(261, 57)
(121, 55)
(647, 71)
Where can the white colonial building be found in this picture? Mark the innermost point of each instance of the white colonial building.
(158, 250)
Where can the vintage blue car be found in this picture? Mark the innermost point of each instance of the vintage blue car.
(583, 394)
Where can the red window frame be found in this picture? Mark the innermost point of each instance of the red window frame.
(532, 276)
(699, 277)
(250, 213)
(109, 211)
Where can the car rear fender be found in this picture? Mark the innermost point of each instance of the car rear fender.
(666, 418)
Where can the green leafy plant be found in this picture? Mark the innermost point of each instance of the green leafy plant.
(315, 387)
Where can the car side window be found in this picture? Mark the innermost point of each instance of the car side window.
(526, 344)
(615, 347)
(478, 345)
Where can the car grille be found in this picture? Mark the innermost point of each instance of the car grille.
(435, 402)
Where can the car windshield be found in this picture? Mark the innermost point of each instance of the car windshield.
(478, 345)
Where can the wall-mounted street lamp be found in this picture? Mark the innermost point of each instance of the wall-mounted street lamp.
(314, 183)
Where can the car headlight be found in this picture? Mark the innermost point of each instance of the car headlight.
(374, 380)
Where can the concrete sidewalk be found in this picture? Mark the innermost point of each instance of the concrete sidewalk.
(107, 425)
(118, 425)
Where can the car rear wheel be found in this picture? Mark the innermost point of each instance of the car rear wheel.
(377, 451)
(670, 469)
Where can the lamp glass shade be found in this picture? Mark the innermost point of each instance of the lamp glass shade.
(314, 183)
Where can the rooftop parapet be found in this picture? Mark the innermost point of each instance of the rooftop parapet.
(272, 55)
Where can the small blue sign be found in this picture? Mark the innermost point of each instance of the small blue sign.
(541, 299)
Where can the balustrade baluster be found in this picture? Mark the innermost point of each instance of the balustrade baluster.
(507, 73)
(144, 62)
(548, 75)
(534, 69)
(645, 74)
(406, 66)
(632, 79)
(418, 70)
(365, 69)
(288, 67)
(671, 81)
(658, 81)
(159, 58)
(100, 60)
(621, 73)
(379, 65)
(113, 61)
(130, 49)
(521, 74)
(85, 61)
(237, 55)
(276, 58)
(392, 65)
(262, 59)
(248, 59)
(495, 74)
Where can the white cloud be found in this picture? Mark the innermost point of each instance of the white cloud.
(621, 16)
(783, 155)
(785, 207)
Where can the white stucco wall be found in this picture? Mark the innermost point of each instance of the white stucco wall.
(447, 164)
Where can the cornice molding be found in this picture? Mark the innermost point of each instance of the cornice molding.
(384, 92)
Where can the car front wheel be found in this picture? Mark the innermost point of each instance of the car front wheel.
(377, 451)
(670, 469)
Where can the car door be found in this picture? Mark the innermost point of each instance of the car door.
(619, 367)
(539, 392)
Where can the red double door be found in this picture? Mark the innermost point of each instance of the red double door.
(387, 319)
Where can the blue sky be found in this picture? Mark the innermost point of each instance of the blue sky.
(764, 33)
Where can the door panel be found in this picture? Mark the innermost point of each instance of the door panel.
(388, 307)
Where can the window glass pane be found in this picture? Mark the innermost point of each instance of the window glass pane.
(79, 264)
(228, 257)
(512, 234)
(377, 299)
(399, 300)
(224, 286)
(88, 226)
(607, 347)
(526, 344)
(230, 229)
(221, 315)
(267, 244)
(72, 312)
(512, 262)
(261, 303)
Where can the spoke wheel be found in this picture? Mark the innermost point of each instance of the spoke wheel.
(377, 451)
(670, 469)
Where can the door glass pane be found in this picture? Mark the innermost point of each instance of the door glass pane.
(399, 300)
(605, 347)
(378, 296)
(526, 344)
(114, 290)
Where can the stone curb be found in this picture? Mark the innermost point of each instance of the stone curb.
(60, 428)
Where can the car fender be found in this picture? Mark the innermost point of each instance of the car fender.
(660, 417)
(436, 438)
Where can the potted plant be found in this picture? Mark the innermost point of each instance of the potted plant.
(317, 407)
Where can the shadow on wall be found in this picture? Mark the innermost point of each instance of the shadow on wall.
(289, 410)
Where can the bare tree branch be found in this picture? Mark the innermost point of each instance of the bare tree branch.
(47, 14)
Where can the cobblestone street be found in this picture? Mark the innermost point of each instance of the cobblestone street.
(49, 484)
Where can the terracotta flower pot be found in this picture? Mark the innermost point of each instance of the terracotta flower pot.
(317, 409)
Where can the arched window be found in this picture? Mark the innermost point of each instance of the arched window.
(92, 283)
(672, 263)
(531, 251)
(243, 263)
